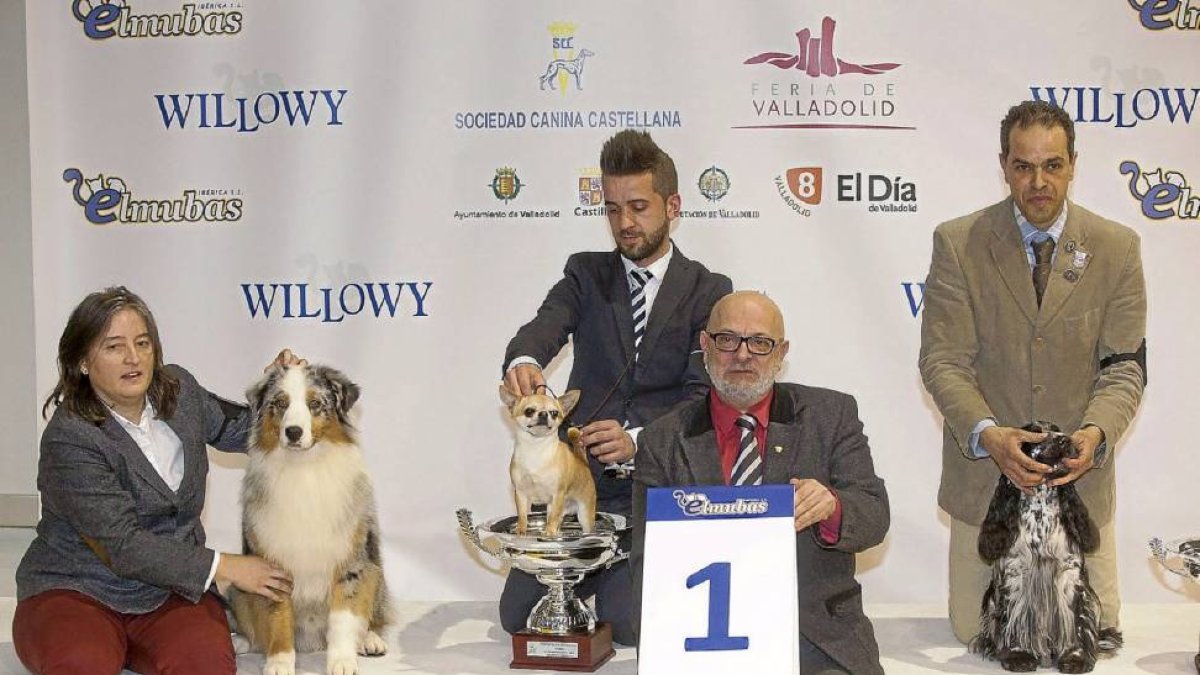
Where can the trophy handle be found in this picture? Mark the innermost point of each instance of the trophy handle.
(467, 525)
(618, 557)
(1159, 551)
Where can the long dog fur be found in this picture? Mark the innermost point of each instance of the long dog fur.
(1039, 609)
(309, 508)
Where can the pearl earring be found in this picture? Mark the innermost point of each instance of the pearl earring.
(84, 370)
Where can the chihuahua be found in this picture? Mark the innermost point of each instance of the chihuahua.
(544, 470)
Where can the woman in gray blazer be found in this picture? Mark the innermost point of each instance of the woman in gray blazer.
(118, 575)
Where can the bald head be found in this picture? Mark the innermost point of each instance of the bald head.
(740, 377)
(747, 307)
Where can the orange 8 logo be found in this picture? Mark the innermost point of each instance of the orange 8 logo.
(805, 184)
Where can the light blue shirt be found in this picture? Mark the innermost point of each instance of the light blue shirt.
(1029, 233)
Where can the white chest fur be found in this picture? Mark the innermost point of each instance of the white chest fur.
(313, 509)
(534, 468)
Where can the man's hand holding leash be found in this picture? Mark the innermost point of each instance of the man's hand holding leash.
(1086, 440)
(1004, 446)
(608, 441)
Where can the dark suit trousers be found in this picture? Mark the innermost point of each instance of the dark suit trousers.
(63, 632)
(612, 587)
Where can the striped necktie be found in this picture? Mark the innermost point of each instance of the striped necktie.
(747, 470)
(1043, 255)
(638, 278)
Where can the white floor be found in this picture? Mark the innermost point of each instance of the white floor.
(462, 638)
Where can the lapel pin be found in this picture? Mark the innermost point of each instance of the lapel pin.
(1070, 245)
(778, 449)
(1071, 275)
(1080, 260)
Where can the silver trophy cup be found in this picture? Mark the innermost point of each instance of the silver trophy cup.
(559, 562)
(1179, 556)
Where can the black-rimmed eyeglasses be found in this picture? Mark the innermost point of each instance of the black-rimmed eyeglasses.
(759, 345)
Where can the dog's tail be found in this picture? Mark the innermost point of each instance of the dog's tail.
(1109, 640)
(573, 436)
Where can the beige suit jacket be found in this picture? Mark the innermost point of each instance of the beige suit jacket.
(988, 350)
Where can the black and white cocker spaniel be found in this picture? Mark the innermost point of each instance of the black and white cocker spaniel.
(1039, 609)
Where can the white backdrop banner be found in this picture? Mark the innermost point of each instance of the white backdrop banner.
(391, 188)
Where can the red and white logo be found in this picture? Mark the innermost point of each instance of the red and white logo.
(815, 56)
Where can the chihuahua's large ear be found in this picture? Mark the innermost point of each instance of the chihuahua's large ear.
(507, 397)
(568, 401)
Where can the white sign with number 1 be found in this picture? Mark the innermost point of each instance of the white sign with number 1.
(719, 582)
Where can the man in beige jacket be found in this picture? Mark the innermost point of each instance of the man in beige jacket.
(1035, 309)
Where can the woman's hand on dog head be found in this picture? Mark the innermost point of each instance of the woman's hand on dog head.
(1004, 446)
(251, 574)
(286, 359)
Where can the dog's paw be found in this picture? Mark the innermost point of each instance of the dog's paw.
(241, 645)
(1017, 661)
(283, 663)
(1075, 661)
(373, 645)
(341, 665)
(1110, 640)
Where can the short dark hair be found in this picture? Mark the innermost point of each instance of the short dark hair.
(1028, 113)
(632, 152)
(87, 325)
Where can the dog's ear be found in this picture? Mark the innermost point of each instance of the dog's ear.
(999, 529)
(345, 392)
(1076, 520)
(508, 398)
(568, 401)
(257, 392)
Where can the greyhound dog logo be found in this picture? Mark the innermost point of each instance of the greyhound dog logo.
(567, 62)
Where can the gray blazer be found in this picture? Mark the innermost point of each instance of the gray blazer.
(591, 305)
(146, 541)
(812, 433)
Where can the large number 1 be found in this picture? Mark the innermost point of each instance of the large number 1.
(717, 640)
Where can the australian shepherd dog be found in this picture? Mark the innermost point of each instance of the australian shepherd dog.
(1039, 609)
(309, 508)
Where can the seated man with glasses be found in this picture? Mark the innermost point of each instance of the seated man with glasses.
(752, 430)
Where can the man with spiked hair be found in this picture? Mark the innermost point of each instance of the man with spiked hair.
(1034, 310)
(635, 315)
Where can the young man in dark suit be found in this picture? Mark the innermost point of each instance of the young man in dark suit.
(635, 316)
(816, 444)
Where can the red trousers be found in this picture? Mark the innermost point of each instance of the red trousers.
(64, 632)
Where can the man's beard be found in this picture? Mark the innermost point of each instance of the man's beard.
(734, 392)
(649, 244)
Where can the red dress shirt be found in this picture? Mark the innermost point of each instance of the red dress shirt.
(729, 437)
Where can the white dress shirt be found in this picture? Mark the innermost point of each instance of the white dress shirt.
(162, 447)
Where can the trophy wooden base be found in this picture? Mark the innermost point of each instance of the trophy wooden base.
(582, 653)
